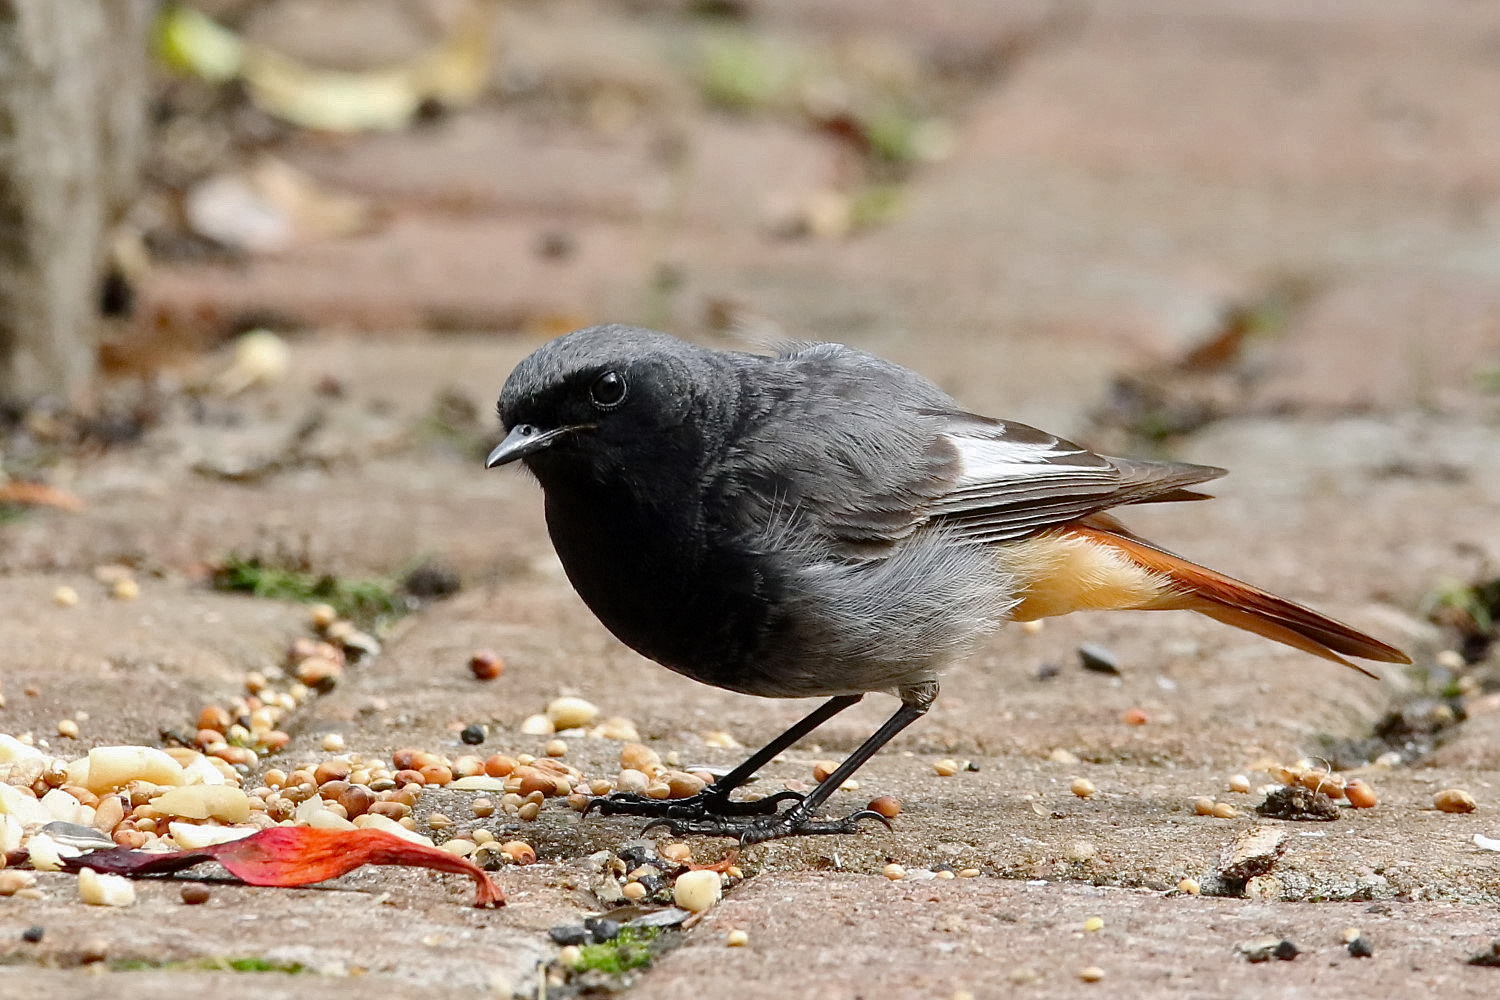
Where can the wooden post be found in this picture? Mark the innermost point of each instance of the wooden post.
(72, 130)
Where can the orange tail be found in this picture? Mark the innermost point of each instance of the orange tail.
(1197, 588)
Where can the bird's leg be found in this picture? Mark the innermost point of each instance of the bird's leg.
(714, 801)
(798, 820)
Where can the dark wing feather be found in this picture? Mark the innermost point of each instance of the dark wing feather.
(863, 453)
(1012, 480)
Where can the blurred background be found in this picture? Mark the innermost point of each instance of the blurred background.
(275, 243)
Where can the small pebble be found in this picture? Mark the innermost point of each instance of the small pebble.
(736, 939)
(1361, 947)
(195, 893)
(1097, 658)
(1083, 788)
(946, 768)
(1454, 800)
(1189, 886)
(1091, 973)
(570, 955)
(472, 734)
(33, 934)
(1082, 850)
(697, 890)
(486, 665)
(894, 872)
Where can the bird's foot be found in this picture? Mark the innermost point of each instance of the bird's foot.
(708, 804)
(792, 823)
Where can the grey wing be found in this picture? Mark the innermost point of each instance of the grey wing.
(1009, 480)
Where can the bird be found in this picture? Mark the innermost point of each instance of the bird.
(821, 522)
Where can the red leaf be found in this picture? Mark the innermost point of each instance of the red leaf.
(297, 855)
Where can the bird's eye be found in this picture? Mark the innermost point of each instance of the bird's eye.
(608, 390)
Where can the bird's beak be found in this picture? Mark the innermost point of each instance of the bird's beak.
(523, 440)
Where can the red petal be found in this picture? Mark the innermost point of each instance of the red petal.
(298, 855)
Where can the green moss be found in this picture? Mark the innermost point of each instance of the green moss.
(630, 950)
(361, 600)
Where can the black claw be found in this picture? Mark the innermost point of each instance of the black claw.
(706, 805)
(756, 831)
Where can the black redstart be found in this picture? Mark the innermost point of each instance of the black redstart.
(827, 523)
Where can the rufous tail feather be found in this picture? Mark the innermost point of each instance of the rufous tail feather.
(1234, 602)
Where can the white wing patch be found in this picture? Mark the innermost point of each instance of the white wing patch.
(992, 460)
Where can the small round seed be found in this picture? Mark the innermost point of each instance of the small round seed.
(486, 665)
(556, 748)
(1091, 974)
(483, 807)
(946, 768)
(1240, 784)
(67, 728)
(1454, 800)
(886, 805)
(1360, 794)
(822, 769)
(736, 938)
(1223, 810)
(1203, 806)
(894, 872)
(1083, 788)
(1189, 886)
(195, 893)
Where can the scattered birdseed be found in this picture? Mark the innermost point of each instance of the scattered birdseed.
(486, 665)
(125, 589)
(698, 889)
(736, 939)
(67, 728)
(1203, 806)
(886, 805)
(946, 768)
(195, 893)
(1083, 788)
(894, 872)
(483, 807)
(634, 891)
(968, 873)
(571, 713)
(537, 725)
(823, 768)
(1189, 886)
(1360, 794)
(676, 851)
(1135, 717)
(1093, 924)
(1223, 810)
(1239, 784)
(1454, 800)
(65, 596)
(333, 742)
(104, 890)
(1061, 756)
(556, 748)
(1091, 973)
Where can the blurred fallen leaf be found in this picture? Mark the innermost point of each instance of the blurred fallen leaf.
(452, 74)
(39, 495)
(270, 206)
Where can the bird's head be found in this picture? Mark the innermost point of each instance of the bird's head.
(599, 400)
